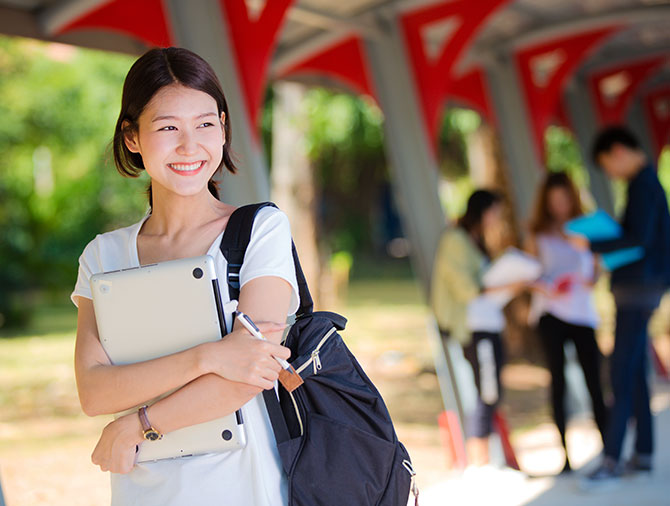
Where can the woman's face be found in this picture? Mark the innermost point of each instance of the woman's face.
(492, 218)
(180, 137)
(559, 204)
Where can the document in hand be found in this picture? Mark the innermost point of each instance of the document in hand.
(513, 266)
(596, 226)
(600, 226)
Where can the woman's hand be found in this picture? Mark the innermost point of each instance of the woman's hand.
(116, 447)
(579, 242)
(242, 358)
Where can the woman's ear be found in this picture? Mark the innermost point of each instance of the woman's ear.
(130, 137)
(223, 127)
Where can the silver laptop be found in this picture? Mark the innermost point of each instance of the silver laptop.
(155, 310)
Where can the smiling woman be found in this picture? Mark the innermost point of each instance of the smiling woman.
(174, 125)
(159, 77)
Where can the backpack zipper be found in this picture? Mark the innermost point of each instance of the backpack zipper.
(297, 412)
(314, 359)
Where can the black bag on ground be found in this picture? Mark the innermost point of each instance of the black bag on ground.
(334, 433)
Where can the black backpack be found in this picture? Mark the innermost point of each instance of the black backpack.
(334, 433)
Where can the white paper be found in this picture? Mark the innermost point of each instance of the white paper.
(513, 266)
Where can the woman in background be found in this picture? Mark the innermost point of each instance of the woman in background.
(461, 259)
(563, 300)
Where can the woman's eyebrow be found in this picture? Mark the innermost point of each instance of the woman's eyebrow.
(200, 116)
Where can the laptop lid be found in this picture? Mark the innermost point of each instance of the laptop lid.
(155, 310)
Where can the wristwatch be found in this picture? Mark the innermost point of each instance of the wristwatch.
(150, 434)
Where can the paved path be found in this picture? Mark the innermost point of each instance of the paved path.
(537, 453)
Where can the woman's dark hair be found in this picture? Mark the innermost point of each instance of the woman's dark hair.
(478, 203)
(155, 69)
(542, 219)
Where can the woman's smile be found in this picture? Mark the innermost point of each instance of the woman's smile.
(187, 169)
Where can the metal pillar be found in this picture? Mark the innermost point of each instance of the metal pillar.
(639, 125)
(200, 25)
(516, 135)
(412, 164)
(585, 126)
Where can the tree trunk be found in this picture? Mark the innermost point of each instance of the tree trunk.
(292, 176)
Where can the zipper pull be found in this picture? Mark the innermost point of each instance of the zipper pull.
(316, 361)
(413, 488)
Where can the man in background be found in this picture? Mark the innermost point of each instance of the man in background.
(637, 289)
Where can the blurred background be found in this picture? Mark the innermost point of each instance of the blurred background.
(334, 177)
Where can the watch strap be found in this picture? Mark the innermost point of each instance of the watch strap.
(144, 419)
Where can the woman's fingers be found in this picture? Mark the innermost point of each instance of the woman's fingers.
(277, 350)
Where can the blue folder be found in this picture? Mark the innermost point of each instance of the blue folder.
(615, 259)
(600, 226)
(596, 226)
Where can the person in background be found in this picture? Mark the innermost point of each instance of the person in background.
(461, 259)
(637, 289)
(563, 297)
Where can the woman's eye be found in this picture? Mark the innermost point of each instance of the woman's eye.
(206, 124)
(167, 128)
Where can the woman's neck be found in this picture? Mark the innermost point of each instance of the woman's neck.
(555, 228)
(172, 213)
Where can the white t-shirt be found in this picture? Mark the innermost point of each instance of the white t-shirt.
(252, 476)
(560, 258)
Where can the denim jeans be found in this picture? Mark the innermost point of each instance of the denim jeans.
(628, 365)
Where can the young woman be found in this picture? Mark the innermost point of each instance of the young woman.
(174, 125)
(460, 262)
(564, 299)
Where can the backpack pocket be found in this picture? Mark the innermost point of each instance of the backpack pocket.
(349, 457)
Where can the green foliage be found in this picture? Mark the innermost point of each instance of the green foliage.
(58, 187)
(664, 170)
(456, 125)
(562, 155)
(345, 144)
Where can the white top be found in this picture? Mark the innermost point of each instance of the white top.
(484, 314)
(561, 260)
(252, 476)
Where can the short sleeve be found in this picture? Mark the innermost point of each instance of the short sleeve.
(270, 252)
(89, 264)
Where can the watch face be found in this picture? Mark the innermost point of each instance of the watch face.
(152, 435)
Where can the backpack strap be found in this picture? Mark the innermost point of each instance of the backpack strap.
(234, 246)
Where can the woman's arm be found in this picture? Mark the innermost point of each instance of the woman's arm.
(263, 299)
(105, 388)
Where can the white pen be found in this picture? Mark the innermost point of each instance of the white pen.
(255, 331)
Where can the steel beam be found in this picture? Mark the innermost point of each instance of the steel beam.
(585, 126)
(638, 123)
(483, 51)
(412, 164)
(200, 25)
(516, 135)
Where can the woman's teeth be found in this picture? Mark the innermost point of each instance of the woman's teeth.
(185, 167)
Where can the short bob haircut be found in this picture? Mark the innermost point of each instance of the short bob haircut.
(542, 220)
(155, 69)
(608, 137)
(479, 202)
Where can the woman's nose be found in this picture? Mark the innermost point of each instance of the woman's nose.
(187, 144)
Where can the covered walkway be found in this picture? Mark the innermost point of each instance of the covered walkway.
(537, 449)
(523, 64)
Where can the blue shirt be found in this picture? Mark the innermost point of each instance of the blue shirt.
(646, 223)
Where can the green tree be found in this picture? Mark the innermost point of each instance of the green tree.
(57, 185)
